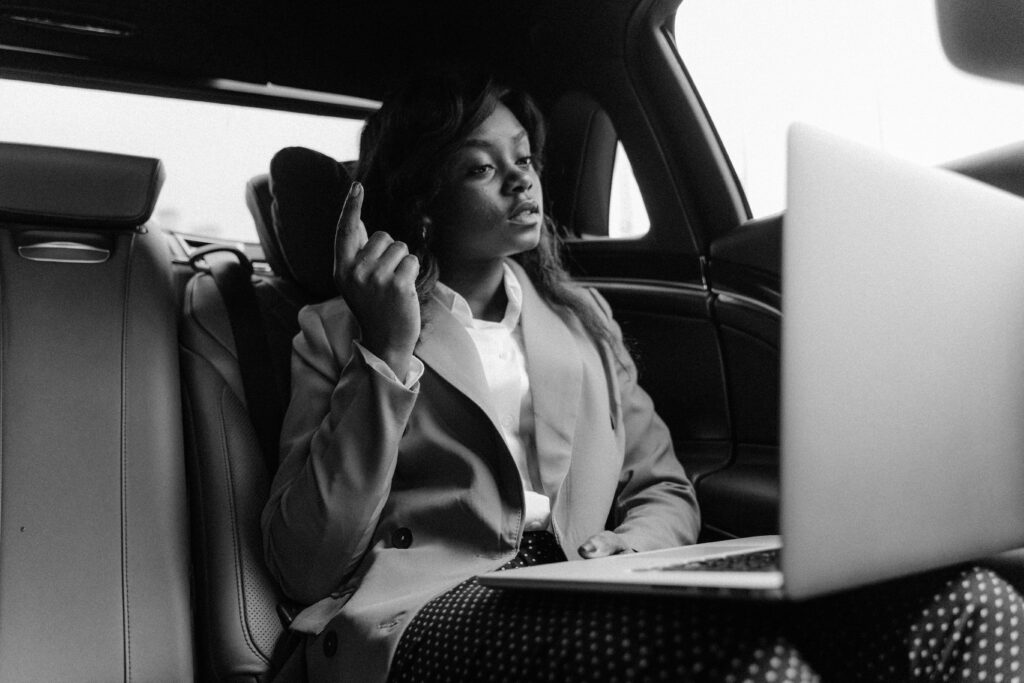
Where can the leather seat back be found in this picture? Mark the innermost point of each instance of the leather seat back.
(240, 632)
(94, 555)
(236, 599)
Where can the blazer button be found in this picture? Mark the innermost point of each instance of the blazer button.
(401, 538)
(330, 644)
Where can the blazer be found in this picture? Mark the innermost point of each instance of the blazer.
(387, 497)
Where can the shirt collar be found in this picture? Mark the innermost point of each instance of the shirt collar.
(459, 307)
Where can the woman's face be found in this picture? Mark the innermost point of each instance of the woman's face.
(492, 204)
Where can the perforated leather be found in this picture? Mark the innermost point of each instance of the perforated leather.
(236, 622)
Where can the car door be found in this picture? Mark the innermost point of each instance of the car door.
(696, 296)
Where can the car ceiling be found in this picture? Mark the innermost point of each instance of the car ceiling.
(350, 47)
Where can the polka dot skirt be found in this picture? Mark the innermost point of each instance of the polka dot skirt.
(475, 633)
(954, 625)
(959, 625)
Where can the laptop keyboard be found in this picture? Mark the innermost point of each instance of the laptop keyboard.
(763, 560)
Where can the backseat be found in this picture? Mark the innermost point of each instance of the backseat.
(240, 612)
(94, 551)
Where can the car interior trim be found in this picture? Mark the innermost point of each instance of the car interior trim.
(63, 252)
(733, 299)
(88, 26)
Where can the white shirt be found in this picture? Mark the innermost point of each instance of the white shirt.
(500, 347)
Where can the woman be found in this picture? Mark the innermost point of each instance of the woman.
(463, 408)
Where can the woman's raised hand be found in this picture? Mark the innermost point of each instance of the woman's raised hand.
(377, 277)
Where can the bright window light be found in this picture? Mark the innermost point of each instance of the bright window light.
(209, 151)
(869, 70)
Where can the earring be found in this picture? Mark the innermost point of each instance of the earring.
(424, 228)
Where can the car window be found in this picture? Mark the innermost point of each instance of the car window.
(627, 215)
(869, 70)
(209, 151)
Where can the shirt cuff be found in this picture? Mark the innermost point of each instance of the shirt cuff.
(374, 361)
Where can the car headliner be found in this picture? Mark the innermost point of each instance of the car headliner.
(352, 47)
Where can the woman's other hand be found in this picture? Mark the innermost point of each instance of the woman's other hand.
(377, 277)
(602, 545)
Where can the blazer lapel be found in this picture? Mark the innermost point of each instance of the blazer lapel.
(556, 381)
(555, 365)
(446, 347)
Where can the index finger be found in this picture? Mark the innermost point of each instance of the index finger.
(350, 235)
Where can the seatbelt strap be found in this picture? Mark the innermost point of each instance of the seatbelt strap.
(233, 278)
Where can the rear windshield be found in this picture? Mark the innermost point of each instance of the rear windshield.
(209, 151)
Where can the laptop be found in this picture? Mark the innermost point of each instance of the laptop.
(902, 388)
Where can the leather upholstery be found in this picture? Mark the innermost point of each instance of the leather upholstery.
(295, 209)
(307, 189)
(237, 627)
(55, 186)
(259, 199)
(94, 554)
(578, 165)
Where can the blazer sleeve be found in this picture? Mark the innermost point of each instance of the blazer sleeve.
(339, 446)
(655, 503)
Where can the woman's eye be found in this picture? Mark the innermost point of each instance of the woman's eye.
(525, 161)
(479, 170)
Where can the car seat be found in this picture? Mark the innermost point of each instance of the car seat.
(241, 613)
(94, 549)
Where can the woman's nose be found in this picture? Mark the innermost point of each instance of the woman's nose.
(519, 180)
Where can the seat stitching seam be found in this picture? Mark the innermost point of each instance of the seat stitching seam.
(239, 580)
(192, 314)
(126, 587)
(3, 365)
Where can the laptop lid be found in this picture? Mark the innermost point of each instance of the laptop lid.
(902, 426)
(902, 435)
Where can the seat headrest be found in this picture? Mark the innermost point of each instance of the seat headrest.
(307, 189)
(579, 159)
(259, 200)
(77, 188)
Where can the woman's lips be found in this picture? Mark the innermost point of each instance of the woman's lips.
(525, 212)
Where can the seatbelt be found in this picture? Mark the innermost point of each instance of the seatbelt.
(262, 397)
(233, 278)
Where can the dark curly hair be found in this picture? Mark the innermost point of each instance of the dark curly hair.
(404, 150)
